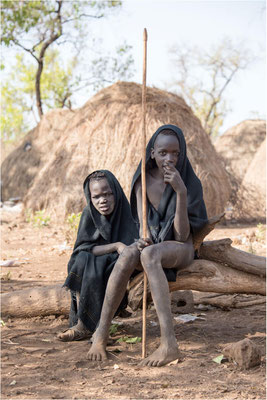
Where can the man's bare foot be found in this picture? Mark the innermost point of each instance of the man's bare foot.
(97, 352)
(162, 356)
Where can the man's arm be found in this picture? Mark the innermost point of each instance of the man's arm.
(138, 195)
(181, 225)
(142, 242)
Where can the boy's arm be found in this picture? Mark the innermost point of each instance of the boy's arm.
(108, 248)
(181, 226)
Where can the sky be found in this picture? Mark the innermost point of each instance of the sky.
(197, 23)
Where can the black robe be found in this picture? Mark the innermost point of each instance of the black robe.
(88, 274)
(160, 222)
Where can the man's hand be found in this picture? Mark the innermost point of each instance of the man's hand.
(120, 247)
(173, 177)
(144, 242)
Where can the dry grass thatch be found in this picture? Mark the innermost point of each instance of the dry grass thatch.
(252, 192)
(239, 144)
(105, 133)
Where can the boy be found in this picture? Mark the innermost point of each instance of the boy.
(106, 228)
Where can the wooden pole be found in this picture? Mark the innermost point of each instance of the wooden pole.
(143, 182)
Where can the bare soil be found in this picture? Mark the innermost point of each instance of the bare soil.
(35, 365)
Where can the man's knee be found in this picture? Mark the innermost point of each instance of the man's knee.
(149, 256)
(129, 258)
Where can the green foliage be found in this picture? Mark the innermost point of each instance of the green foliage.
(38, 218)
(203, 77)
(113, 329)
(18, 92)
(12, 122)
(34, 27)
(73, 221)
(251, 249)
(128, 339)
(6, 277)
(261, 232)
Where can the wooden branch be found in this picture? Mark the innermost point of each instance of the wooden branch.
(200, 236)
(222, 251)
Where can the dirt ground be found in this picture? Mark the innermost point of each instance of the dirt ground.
(35, 365)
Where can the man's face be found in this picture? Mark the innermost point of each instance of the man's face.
(166, 151)
(101, 196)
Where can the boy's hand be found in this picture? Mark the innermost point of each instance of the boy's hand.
(173, 177)
(144, 242)
(120, 247)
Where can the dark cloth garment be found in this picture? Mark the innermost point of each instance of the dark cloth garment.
(88, 274)
(160, 222)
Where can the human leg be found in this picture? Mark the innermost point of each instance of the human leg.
(116, 287)
(153, 259)
(76, 332)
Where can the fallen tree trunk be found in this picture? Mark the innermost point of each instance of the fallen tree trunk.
(35, 302)
(221, 251)
(231, 301)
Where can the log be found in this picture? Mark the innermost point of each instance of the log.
(40, 301)
(221, 251)
(205, 276)
(231, 301)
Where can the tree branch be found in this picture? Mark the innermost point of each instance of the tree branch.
(40, 60)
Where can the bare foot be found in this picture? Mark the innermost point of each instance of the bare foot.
(97, 352)
(162, 356)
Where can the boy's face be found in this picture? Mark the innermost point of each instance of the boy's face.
(166, 151)
(101, 196)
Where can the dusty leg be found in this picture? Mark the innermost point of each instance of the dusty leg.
(153, 259)
(116, 287)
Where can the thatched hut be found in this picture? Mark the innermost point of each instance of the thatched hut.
(238, 147)
(252, 192)
(21, 166)
(239, 144)
(105, 133)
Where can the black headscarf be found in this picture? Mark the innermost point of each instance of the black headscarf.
(160, 221)
(88, 274)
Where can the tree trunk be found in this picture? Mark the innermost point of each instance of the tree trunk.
(231, 301)
(37, 301)
(221, 251)
(40, 59)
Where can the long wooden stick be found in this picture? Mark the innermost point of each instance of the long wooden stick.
(143, 182)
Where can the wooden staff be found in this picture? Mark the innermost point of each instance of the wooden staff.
(143, 180)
